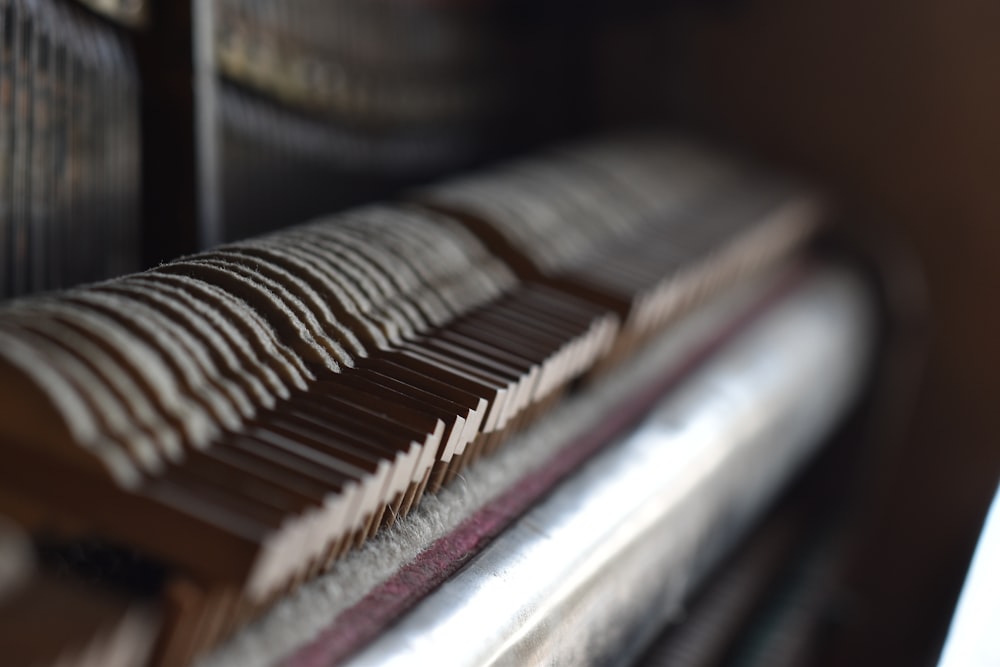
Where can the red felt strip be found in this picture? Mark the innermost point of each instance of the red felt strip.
(363, 622)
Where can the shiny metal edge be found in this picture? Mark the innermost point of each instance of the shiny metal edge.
(972, 639)
(589, 575)
(130, 13)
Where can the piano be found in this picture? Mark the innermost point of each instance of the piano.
(517, 414)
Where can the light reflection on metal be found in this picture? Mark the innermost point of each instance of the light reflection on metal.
(972, 639)
(130, 13)
(593, 572)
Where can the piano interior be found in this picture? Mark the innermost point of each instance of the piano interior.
(466, 332)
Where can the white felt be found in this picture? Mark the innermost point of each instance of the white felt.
(297, 619)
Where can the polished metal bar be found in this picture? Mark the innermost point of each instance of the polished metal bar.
(599, 567)
(972, 638)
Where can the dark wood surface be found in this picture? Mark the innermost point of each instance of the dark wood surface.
(896, 104)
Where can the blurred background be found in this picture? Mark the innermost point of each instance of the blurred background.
(896, 106)
(133, 132)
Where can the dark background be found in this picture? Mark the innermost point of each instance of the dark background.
(896, 106)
